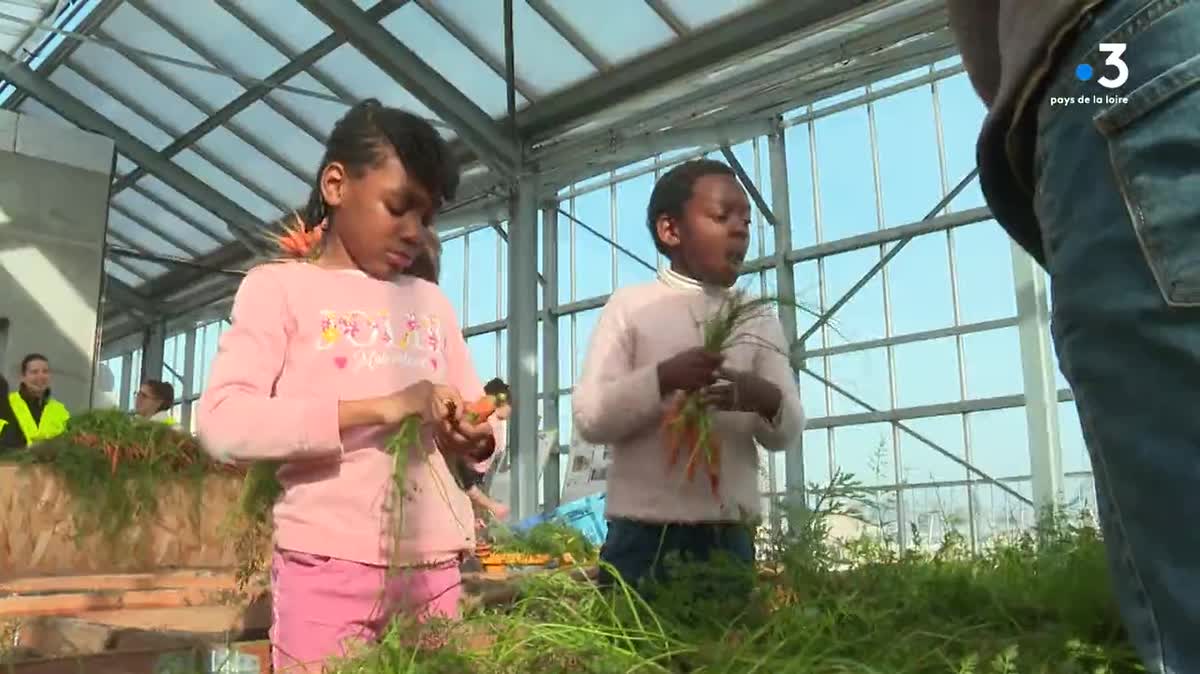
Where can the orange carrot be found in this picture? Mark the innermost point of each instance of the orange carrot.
(714, 463)
(482, 409)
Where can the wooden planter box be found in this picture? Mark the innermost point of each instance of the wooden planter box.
(37, 536)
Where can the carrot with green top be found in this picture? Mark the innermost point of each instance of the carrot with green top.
(690, 420)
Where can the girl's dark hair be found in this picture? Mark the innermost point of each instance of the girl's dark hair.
(674, 189)
(360, 139)
(29, 358)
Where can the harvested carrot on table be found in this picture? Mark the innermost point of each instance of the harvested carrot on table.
(687, 424)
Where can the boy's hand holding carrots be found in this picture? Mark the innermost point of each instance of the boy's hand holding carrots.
(739, 391)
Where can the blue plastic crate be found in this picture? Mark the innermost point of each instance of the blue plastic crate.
(586, 515)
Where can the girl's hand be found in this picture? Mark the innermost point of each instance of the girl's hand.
(458, 437)
(499, 511)
(432, 402)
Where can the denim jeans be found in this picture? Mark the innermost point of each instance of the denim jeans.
(1118, 201)
(641, 551)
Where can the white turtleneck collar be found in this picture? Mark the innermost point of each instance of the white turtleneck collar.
(673, 279)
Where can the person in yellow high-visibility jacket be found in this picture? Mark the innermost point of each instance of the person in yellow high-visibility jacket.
(11, 436)
(39, 415)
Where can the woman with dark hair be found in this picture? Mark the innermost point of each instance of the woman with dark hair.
(39, 415)
(11, 436)
(154, 401)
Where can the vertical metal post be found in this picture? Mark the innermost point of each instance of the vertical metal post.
(189, 379)
(124, 386)
(523, 347)
(785, 285)
(551, 475)
(152, 352)
(1041, 389)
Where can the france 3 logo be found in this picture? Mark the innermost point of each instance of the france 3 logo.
(1117, 74)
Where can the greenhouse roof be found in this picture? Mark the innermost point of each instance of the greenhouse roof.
(219, 108)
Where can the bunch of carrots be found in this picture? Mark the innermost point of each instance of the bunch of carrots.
(299, 241)
(408, 436)
(687, 424)
(175, 450)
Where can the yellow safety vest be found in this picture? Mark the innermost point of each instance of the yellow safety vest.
(53, 423)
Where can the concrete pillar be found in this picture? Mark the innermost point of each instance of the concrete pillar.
(53, 222)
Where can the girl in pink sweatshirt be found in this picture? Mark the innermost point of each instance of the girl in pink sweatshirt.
(325, 357)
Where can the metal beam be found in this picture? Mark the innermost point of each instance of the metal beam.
(753, 32)
(785, 285)
(1041, 386)
(472, 44)
(748, 183)
(476, 128)
(748, 85)
(577, 40)
(668, 16)
(551, 475)
(922, 439)
(255, 93)
(93, 20)
(55, 98)
(624, 148)
(120, 292)
(887, 257)
(523, 350)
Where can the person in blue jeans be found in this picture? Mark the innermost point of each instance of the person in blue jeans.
(1090, 159)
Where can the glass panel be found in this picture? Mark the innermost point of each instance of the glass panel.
(279, 135)
(297, 30)
(618, 30)
(173, 226)
(363, 79)
(186, 206)
(926, 372)
(213, 89)
(141, 237)
(462, 68)
(700, 14)
(993, 363)
(922, 463)
(134, 84)
(543, 58)
(265, 174)
(219, 180)
(94, 98)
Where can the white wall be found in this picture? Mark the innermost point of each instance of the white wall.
(54, 189)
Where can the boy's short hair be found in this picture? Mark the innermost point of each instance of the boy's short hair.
(674, 189)
(496, 386)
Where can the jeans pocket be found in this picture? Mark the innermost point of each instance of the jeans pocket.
(1154, 146)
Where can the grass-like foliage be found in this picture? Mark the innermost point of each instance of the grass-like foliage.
(1039, 603)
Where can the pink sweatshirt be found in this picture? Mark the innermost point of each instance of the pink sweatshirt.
(304, 338)
(617, 403)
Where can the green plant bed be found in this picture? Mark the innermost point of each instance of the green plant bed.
(115, 468)
(545, 538)
(1039, 603)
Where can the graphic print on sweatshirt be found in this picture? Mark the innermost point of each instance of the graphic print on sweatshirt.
(375, 339)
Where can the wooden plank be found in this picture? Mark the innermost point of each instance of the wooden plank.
(83, 602)
(255, 659)
(206, 579)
